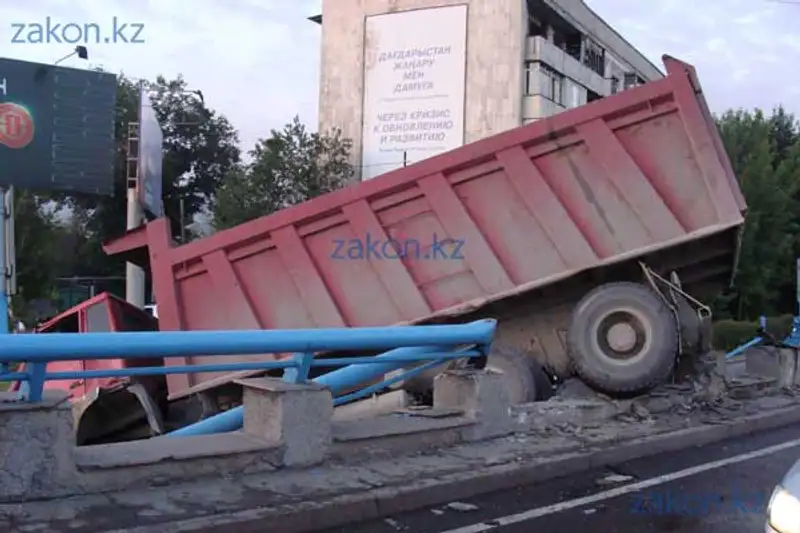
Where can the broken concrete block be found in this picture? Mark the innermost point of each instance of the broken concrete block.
(481, 395)
(579, 412)
(297, 416)
(777, 363)
(373, 406)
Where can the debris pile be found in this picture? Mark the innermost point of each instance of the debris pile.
(707, 383)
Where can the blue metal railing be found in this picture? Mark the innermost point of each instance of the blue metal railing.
(793, 339)
(433, 345)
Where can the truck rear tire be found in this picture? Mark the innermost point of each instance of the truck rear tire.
(622, 339)
(526, 379)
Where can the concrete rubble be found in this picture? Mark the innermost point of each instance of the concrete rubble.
(574, 423)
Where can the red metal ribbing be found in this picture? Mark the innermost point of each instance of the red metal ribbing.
(393, 274)
(300, 266)
(159, 240)
(705, 151)
(583, 213)
(479, 256)
(542, 203)
(631, 183)
(679, 68)
(229, 292)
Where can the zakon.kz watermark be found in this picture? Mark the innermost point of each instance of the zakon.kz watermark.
(54, 31)
(373, 247)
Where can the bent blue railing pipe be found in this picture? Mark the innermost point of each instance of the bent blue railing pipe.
(431, 342)
(46, 347)
(336, 381)
(744, 347)
(792, 339)
(223, 367)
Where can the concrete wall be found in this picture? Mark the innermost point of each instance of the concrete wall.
(285, 425)
(496, 31)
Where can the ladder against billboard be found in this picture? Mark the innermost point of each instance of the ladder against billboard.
(56, 128)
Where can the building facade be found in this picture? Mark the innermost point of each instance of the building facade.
(409, 79)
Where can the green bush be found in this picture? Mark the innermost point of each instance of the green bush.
(728, 334)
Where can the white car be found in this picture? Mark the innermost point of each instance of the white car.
(783, 512)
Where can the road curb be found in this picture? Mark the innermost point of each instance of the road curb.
(305, 517)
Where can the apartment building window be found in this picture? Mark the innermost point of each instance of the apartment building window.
(592, 96)
(594, 56)
(541, 80)
(631, 80)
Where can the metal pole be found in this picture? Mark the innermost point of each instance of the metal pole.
(183, 222)
(134, 275)
(3, 273)
(797, 285)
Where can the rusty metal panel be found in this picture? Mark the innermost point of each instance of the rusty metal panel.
(631, 174)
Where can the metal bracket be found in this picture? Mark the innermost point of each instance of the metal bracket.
(674, 290)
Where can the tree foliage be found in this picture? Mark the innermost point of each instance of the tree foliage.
(37, 235)
(765, 153)
(289, 167)
(200, 147)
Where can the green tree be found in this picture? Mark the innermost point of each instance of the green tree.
(291, 166)
(200, 147)
(36, 233)
(765, 155)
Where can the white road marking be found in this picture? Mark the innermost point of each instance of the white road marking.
(621, 491)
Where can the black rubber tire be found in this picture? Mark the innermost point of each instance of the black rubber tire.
(652, 362)
(527, 380)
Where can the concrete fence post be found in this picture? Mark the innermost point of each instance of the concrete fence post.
(296, 415)
(777, 363)
(481, 395)
(36, 447)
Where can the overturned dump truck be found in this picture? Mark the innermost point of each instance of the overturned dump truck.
(593, 236)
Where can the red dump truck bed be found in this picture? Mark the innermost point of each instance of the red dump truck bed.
(639, 171)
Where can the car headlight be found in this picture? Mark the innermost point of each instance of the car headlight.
(784, 512)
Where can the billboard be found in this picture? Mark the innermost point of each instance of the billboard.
(414, 82)
(151, 158)
(56, 127)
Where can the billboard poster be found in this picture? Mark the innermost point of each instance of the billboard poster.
(414, 83)
(151, 158)
(56, 127)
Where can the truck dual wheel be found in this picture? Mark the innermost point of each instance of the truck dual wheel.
(623, 338)
(525, 378)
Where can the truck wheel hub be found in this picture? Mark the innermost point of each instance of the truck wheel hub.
(621, 337)
(622, 334)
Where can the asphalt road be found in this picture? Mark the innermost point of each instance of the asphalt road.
(722, 487)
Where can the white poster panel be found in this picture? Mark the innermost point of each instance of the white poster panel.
(414, 83)
(151, 158)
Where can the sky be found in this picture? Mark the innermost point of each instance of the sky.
(257, 61)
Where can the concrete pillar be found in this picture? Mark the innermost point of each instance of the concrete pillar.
(296, 416)
(778, 363)
(36, 447)
(481, 395)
